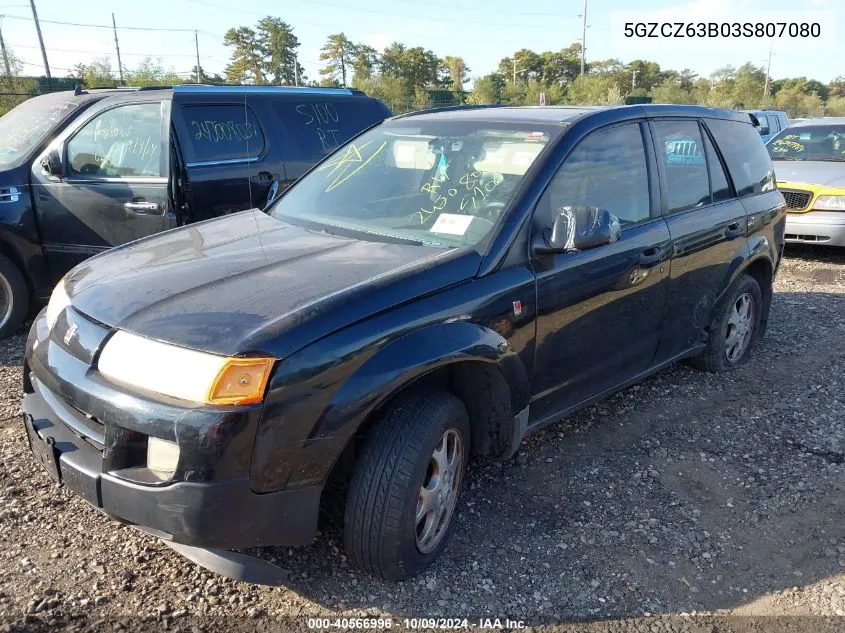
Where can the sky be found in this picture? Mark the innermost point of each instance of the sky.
(480, 31)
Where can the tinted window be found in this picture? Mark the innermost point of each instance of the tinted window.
(774, 124)
(719, 186)
(222, 132)
(746, 156)
(318, 127)
(763, 120)
(681, 151)
(605, 170)
(121, 142)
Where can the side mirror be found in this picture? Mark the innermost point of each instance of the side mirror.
(578, 228)
(764, 130)
(52, 163)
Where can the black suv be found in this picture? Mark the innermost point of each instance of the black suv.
(436, 288)
(83, 171)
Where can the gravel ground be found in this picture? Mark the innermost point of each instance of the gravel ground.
(690, 494)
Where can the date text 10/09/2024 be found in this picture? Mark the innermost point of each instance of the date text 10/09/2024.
(415, 623)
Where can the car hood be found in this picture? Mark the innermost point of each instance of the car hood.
(826, 174)
(245, 282)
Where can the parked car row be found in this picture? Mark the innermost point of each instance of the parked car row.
(86, 171)
(439, 286)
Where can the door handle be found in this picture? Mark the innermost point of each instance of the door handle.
(143, 208)
(734, 229)
(264, 176)
(650, 257)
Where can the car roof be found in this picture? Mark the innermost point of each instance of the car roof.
(826, 120)
(563, 114)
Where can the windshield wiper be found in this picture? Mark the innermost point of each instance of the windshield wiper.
(829, 159)
(785, 158)
(344, 231)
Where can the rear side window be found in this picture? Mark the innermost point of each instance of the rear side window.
(763, 120)
(684, 163)
(222, 132)
(718, 180)
(315, 128)
(748, 161)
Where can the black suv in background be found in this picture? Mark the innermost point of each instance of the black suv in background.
(439, 286)
(81, 172)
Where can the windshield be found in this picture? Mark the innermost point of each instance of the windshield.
(809, 142)
(24, 127)
(438, 183)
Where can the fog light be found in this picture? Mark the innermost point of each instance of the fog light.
(162, 457)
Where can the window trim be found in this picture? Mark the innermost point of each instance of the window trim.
(164, 147)
(183, 132)
(651, 179)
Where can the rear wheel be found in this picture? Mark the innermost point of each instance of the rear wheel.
(14, 297)
(735, 327)
(406, 485)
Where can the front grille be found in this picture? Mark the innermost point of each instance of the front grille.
(797, 199)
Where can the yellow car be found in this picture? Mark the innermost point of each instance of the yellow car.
(809, 160)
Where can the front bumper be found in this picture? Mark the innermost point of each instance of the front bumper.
(78, 427)
(816, 227)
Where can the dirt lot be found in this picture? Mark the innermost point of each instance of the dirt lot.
(688, 494)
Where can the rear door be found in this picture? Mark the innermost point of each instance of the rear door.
(708, 226)
(114, 187)
(225, 147)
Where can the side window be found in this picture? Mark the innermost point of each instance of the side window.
(118, 143)
(681, 150)
(774, 124)
(314, 129)
(606, 170)
(763, 120)
(222, 132)
(744, 152)
(719, 186)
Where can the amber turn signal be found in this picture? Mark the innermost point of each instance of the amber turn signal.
(241, 381)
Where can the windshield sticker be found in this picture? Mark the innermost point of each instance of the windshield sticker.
(451, 224)
(350, 162)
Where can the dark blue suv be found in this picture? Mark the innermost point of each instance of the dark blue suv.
(438, 287)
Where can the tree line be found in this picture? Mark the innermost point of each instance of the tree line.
(408, 78)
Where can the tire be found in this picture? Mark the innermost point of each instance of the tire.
(386, 492)
(720, 355)
(14, 297)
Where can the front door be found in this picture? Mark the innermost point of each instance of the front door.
(114, 185)
(599, 311)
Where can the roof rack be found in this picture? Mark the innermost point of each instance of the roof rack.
(455, 107)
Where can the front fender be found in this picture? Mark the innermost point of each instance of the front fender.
(321, 396)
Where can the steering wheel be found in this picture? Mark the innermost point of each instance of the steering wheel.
(490, 211)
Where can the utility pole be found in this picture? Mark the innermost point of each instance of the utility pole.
(514, 70)
(5, 54)
(634, 79)
(117, 46)
(197, 44)
(40, 41)
(584, 38)
(295, 70)
(768, 70)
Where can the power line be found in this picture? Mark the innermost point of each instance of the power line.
(361, 10)
(101, 52)
(109, 26)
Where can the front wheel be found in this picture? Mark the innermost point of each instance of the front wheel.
(406, 484)
(734, 329)
(14, 297)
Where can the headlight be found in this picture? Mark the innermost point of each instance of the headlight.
(58, 302)
(183, 373)
(830, 203)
